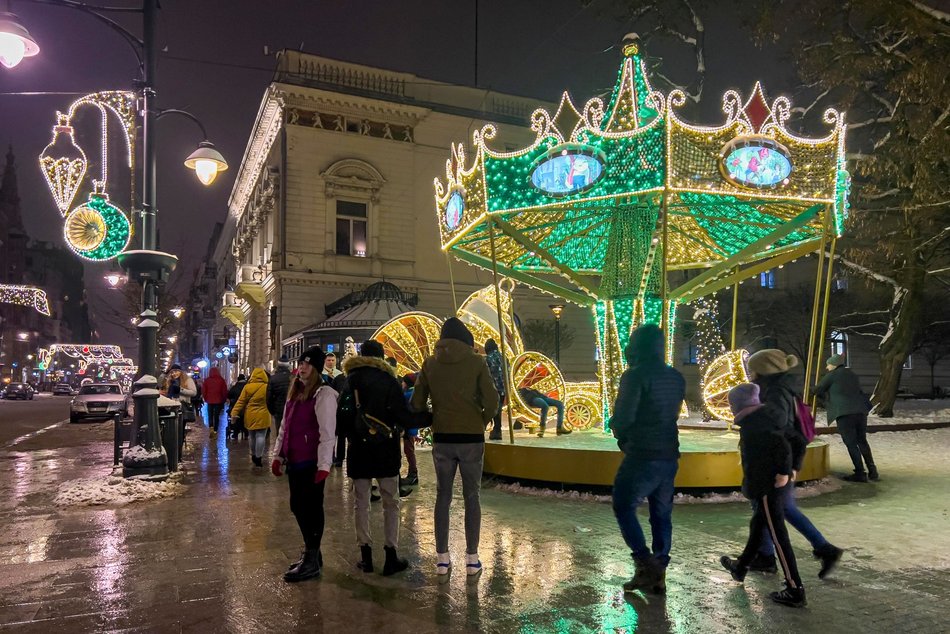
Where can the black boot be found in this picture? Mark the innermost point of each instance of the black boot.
(308, 569)
(297, 563)
(366, 558)
(732, 565)
(563, 431)
(763, 563)
(792, 597)
(856, 477)
(393, 563)
(873, 475)
(829, 555)
(649, 575)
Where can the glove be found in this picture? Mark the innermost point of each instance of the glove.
(320, 477)
(275, 468)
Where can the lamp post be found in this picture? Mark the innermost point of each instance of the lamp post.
(148, 265)
(557, 309)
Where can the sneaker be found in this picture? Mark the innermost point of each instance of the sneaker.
(732, 565)
(792, 597)
(473, 565)
(829, 555)
(561, 431)
(540, 433)
(763, 563)
(443, 564)
(856, 477)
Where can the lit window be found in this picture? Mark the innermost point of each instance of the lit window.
(767, 279)
(839, 345)
(351, 228)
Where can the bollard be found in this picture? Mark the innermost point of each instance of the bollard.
(168, 419)
(117, 439)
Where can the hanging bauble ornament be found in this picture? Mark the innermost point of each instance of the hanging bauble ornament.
(97, 230)
(63, 164)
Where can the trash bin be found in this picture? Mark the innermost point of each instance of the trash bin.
(169, 414)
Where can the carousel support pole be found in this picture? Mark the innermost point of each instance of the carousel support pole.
(501, 322)
(816, 305)
(664, 286)
(455, 301)
(735, 311)
(824, 315)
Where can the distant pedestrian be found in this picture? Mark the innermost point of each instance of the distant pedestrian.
(496, 367)
(766, 471)
(409, 437)
(848, 406)
(251, 408)
(235, 426)
(372, 414)
(215, 395)
(464, 400)
(770, 370)
(644, 418)
(305, 446)
(330, 371)
(277, 389)
(181, 386)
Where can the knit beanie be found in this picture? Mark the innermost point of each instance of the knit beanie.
(453, 328)
(372, 348)
(743, 396)
(283, 361)
(835, 360)
(771, 361)
(314, 356)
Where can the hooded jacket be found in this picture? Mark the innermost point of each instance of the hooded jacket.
(779, 392)
(215, 390)
(253, 402)
(463, 393)
(841, 391)
(277, 388)
(765, 451)
(234, 393)
(648, 402)
(380, 395)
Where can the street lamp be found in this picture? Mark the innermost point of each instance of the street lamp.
(177, 312)
(113, 279)
(15, 41)
(207, 162)
(557, 309)
(23, 336)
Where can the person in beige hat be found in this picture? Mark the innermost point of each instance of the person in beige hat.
(780, 391)
(848, 406)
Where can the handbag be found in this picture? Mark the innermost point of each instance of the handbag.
(188, 412)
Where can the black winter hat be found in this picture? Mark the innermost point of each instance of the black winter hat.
(315, 356)
(174, 366)
(453, 328)
(646, 344)
(372, 348)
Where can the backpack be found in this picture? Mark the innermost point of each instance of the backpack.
(805, 420)
(368, 427)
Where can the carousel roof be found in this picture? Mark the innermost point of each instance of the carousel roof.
(365, 309)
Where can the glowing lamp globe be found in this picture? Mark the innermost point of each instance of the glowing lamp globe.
(15, 41)
(723, 374)
(207, 162)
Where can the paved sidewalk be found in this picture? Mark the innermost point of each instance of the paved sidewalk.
(211, 560)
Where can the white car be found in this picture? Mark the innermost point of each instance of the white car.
(97, 400)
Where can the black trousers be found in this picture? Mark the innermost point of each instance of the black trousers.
(214, 414)
(768, 513)
(306, 503)
(340, 450)
(854, 433)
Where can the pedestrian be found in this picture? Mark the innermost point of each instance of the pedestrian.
(496, 367)
(215, 395)
(372, 414)
(848, 406)
(648, 404)
(534, 398)
(766, 470)
(277, 389)
(305, 447)
(464, 400)
(330, 371)
(235, 426)
(409, 437)
(181, 386)
(770, 370)
(251, 408)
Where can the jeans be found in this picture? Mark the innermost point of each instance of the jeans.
(795, 517)
(277, 421)
(768, 518)
(409, 448)
(466, 458)
(854, 433)
(214, 414)
(389, 489)
(543, 403)
(258, 442)
(306, 503)
(652, 480)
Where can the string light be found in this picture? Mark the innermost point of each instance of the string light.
(724, 373)
(30, 296)
(98, 230)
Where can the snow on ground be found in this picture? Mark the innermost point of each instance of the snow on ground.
(116, 490)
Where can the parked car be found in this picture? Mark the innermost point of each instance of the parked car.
(97, 400)
(17, 391)
(62, 389)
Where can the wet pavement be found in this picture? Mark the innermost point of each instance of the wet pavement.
(211, 559)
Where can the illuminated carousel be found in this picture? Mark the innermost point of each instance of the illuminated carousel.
(609, 205)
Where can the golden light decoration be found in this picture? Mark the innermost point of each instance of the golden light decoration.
(724, 373)
(479, 312)
(532, 370)
(85, 229)
(25, 296)
(63, 164)
(409, 338)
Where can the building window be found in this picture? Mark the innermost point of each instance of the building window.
(351, 219)
(769, 343)
(767, 279)
(909, 362)
(839, 345)
(692, 353)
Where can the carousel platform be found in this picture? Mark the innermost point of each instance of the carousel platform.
(709, 459)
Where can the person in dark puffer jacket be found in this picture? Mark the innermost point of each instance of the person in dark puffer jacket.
(766, 471)
(644, 423)
(277, 388)
(848, 406)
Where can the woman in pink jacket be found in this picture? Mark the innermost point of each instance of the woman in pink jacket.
(305, 445)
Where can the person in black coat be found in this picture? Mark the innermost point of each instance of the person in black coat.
(848, 405)
(766, 470)
(235, 426)
(372, 415)
(644, 423)
(277, 388)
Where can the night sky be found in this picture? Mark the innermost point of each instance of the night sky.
(214, 66)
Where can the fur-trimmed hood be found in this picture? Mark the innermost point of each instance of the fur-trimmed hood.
(368, 362)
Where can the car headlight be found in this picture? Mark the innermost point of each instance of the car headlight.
(115, 406)
(79, 406)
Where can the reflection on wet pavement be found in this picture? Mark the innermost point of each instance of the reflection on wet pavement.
(211, 560)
